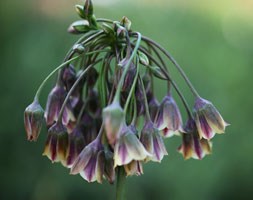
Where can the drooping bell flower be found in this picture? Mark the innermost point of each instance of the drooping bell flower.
(113, 117)
(134, 168)
(153, 106)
(169, 119)
(57, 143)
(68, 76)
(33, 120)
(76, 145)
(54, 104)
(128, 148)
(153, 142)
(90, 162)
(208, 119)
(192, 146)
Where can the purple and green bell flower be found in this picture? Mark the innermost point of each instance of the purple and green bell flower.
(128, 148)
(76, 145)
(113, 117)
(57, 143)
(192, 146)
(153, 105)
(54, 104)
(33, 120)
(153, 142)
(208, 119)
(90, 162)
(169, 119)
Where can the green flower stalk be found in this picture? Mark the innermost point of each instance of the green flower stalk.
(104, 90)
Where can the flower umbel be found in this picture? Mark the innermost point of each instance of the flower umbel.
(103, 116)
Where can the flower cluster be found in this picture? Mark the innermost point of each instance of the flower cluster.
(102, 115)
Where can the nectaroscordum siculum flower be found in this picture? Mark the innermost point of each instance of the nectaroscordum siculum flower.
(103, 116)
(208, 119)
(192, 146)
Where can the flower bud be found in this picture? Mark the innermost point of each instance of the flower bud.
(80, 11)
(57, 143)
(126, 23)
(153, 142)
(80, 26)
(143, 59)
(88, 9)
(78, 48)
(113, 116)
(169, 118)
(208, 119)
(33, 119)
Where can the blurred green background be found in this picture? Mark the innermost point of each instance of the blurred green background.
(212, 40)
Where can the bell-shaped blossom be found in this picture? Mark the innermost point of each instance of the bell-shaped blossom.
(192, 146)
(54, 104)
(153, 142)
(90, 162)
(169, 119)
(208, 119)
(128, 148)
(113, 117)
(153, 106)
(57, 143)
(33, 120)
(76, 145)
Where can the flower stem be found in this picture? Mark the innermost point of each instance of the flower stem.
(133, 87)
(172, 83)
(145, 100)
(167, 54)
(51, 74)
(117, 95)
(120, 187)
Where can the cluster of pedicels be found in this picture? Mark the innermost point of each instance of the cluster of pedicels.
(102, 114)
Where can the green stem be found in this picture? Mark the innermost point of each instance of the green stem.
(51, 74)
(167, 54)
(73, 88)
(172, 83)
(132, 88)
(120, 187)
(145, 100)
(117, 95)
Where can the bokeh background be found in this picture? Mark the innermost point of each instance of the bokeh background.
(212, 40)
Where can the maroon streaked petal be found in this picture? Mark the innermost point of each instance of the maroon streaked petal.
(89, 170)
(53, 147)
(197, 147)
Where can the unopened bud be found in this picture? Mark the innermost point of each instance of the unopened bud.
(33, 119)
